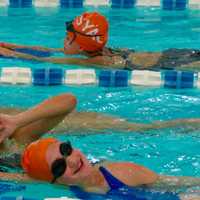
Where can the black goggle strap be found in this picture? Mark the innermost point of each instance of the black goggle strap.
(54, 180)
(70, 28)
(74, 37)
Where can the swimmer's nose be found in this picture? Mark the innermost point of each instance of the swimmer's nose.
(73, 161)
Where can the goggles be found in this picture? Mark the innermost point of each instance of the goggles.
(59, 166)
(70, 28)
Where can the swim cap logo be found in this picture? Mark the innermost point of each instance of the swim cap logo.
(88, 28)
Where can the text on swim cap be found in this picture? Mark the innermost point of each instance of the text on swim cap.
(86, 27)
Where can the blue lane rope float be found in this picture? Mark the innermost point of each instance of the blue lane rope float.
(113, 78)
(71, 3)
(177, 79)
(165, 4)
(105, 78)
(47, 76)
(181, 4)
(174, 4)
(123, 3)
(20, 3)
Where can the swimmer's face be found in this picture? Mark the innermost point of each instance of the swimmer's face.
(77, 165)
(70, 46)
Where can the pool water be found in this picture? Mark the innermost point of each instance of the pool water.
(170, 151)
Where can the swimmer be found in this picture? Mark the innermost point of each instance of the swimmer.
(87, 35)
(28, 126)
(57, 162)
(57, 114)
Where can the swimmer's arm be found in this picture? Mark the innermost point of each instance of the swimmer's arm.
(55, 107)
(173, 182)
(95, 61)
(95, 190)
(15, 177)
(10, 53)
(40, 48)
(120, 124)
(193, 123)
(58, 105)
(192, 66)
(98, 61)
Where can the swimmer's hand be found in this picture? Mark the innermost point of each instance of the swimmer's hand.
(2, 44)
(7, 126)
(8, 45)
(6, 52)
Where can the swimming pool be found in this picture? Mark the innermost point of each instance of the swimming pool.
(168, 151)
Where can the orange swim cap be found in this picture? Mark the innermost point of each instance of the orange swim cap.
(34, 159)
(95, 26)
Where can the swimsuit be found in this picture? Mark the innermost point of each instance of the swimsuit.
(172, 58)
(119, 190)
(137, 193)
(113, 182)
(169, 59)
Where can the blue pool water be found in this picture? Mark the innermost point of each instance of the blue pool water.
(170, 151)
